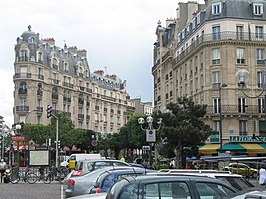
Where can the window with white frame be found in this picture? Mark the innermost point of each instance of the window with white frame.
(259, 32)
(198, 19)
(261, 105)
(259, 79)
(216, 30)
(258, 9)
(216, 56)
(240, 55)
(23, 55)
(216, 78)
(216, 125)
(239, 32)
(241, 105)
(216, 8)
(260, 55)
(243, 127)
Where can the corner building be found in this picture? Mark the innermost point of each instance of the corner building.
(198, 55)
(46, 74)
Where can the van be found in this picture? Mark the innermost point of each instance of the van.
(81, 156)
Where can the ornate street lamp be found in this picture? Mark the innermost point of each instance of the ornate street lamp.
(150, 133)
(242, 76)
(220, 116)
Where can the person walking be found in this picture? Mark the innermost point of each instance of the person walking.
(2, 168)
(262, 176)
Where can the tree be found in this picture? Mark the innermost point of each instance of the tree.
(183, 126)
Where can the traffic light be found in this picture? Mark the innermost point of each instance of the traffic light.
(49, 111)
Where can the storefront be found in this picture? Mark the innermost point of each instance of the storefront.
(237, 145)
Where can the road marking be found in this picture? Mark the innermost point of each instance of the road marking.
(62, 191)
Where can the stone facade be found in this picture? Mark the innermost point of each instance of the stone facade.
(218, 39)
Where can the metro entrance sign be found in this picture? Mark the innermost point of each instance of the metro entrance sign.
(18, 138)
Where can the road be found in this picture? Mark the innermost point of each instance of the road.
(23, 190)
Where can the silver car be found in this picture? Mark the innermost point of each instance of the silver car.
(83, 184)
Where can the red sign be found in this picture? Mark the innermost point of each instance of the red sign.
(18, 138)
(94, 142)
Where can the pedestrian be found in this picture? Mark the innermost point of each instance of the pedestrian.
(122, 159)
(262, 176)
(2, 168)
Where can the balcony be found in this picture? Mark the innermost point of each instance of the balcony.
(68, 85)
(80, 116)
(80, 102)
(22, 76)
(88, 90)
(55, 96)
(22, 109)
(246, 110)
(223, 36)
(55, 81)
(82, 88)
(22, 91)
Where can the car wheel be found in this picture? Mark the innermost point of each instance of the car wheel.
(254, 175)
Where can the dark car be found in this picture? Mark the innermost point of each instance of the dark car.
(181, 187)
(106, 180)
(86, 166)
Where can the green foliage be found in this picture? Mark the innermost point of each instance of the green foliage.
(183, 125)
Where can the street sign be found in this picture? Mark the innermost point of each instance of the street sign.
(146, 148)
(150, 135)
(94, 142)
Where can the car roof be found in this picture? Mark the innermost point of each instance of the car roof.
(101, 160)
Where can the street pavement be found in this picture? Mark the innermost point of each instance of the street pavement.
(39, 190)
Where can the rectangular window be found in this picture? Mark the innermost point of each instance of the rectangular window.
(258, 9)
(260, 55)
(259, 32)
(216, 125)
(216, 8)
(216, 30)
(243, 127)
(216, 107)
(216, 56)
(240, 55)
(261, 105)
(241, 105)
(259, 79)
(239, 32)
(216, 77)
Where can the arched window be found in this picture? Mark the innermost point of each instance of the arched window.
(32, 40)
(22, 88)
(54, 93)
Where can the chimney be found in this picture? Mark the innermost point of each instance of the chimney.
(50, 41)
(73, 49)
(82, 53)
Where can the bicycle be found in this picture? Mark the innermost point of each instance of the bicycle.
(55, 174)
(26, 176)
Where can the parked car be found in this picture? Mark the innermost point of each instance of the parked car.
(165, 186)
(86, 166)
(83, 184)
(237, 181)
(255, 193)
(106, 180)
(242, 169)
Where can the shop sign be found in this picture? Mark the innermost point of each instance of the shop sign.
(246, 139)
(215, 138)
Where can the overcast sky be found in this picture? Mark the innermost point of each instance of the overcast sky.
(117, 34)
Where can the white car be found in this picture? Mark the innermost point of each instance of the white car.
(251, 194)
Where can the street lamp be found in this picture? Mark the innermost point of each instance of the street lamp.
(28, 114)
(17, 128)
(220, 115)
(242, 77)
(150, 133)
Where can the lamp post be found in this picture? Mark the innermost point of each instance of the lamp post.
(28, 114)
(104, 137)
(220, 116)
(150, 133)
(18, 127)
(242, 77)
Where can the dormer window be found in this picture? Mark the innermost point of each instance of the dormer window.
(216, 8)
(257, 9)
(198, 19)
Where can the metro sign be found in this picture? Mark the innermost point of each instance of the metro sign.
(18, 138)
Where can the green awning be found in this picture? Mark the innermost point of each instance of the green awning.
(232, 147)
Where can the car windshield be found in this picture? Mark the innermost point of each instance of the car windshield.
(238, 183)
